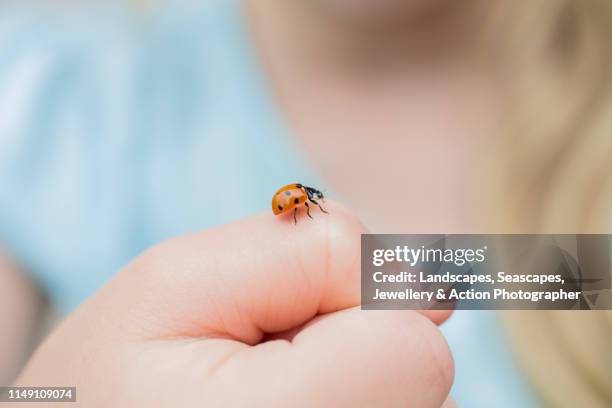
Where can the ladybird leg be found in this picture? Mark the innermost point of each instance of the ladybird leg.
(308, 210)
(321, 208)
(294, 217)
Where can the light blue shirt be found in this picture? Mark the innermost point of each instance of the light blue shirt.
(120, 130)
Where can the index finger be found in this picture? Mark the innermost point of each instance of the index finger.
(259, 275)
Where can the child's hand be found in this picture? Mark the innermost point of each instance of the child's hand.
(189, 323)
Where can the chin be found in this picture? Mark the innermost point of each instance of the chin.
(384, 10)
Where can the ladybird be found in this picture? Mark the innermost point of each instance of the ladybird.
(291, 196)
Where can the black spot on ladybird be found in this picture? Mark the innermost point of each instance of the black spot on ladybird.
(280, 207)
(296, 201)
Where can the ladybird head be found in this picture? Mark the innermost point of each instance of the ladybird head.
(314, 194)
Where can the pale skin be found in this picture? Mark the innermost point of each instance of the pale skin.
(400, 70)
(190, 323)
(392, 101)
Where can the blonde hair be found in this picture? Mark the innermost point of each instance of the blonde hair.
(551, 173)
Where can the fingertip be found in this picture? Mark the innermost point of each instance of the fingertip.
(343, 229)
(341, 232)
(437, 316)
(344, 216)
(331, 244)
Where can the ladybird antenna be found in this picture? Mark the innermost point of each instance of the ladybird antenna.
(324, 193)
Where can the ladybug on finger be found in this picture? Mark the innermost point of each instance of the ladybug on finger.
(292, 196)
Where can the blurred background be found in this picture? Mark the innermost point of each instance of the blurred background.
(126, 122)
